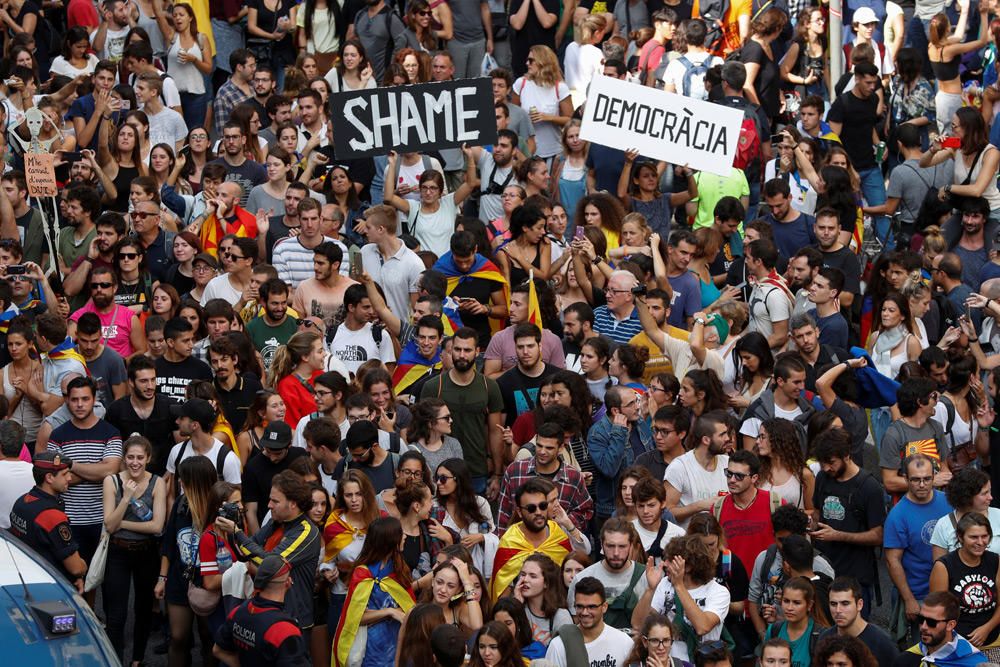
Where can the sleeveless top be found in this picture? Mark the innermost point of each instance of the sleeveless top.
(130, 515)
(790, 491)
(27, 413)
(152, 28)
(519, 275)
(991, 193)
(709, 292)
(122, 183)
(945, 70)
(895, 361)
(976, 590)
(572, 185)
(187, 77)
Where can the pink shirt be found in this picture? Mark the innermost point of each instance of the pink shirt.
(502, 347)
(116, 327)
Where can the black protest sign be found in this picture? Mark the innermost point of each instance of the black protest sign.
(413, 118)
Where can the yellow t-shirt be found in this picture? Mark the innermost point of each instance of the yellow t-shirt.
(658, 361)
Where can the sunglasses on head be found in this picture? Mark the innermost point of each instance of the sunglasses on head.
(532, 508)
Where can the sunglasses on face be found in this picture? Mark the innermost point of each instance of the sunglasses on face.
(929, 622)
(423, 12)
(305, 323)
(101, 285)
(444, 479)
(128, 255)
(231, 257)
(531, 509)
(738, 476)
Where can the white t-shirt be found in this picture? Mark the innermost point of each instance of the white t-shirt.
(230, 467)
(647, 536)
(712, 597)
(768, 304)
(166, 127)
(615, 583)
(676, 70)
(356, 347)
(694, 482)
(220, 288)
(546, 100)
(610, 649)
(62, 66)
(434, 230)
(583, 63)
(114, 43)
(944, 531)
(751, 426)
(961, 431)
(16, 480)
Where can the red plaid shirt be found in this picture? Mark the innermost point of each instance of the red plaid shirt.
(573, 494)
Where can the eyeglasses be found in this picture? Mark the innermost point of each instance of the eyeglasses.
(362, 455)
(128, 255)
(655, 388)
(198, 137)
(930, 622)
(738, 476)
(532, 508)
(588, 607)
(202, 267)
(413, 474)
(510, 195)
(445, 418)
(663, 431)
(658, 643)
(921, 480)
(142, 215)
(101, 285)
(323, 393)
(228, 137)
(356, 418)
(444, 479)
(609, 290)
(429, 188)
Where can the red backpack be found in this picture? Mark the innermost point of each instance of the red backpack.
(748, 146)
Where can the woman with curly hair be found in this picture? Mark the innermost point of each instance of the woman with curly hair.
(603, 212)
(526, 251)
(627, 364)
(412, 65)
(783, 468)
(838, 650)
(545, 96)
(430, 432)
(701, 392)
(562, 388)
(688, 576)
(970, 490)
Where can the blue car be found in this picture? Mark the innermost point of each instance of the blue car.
(43, 621)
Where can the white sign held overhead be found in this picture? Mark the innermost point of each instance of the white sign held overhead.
(661, 125)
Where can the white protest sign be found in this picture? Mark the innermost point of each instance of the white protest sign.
(661, 125)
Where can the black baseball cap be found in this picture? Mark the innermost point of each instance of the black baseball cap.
(197, 409)
(270, 568)
(277, 435)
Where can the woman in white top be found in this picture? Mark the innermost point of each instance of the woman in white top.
(458, 508)
(968, 491)
(584, 59)
(353, 72)
(189, 59)
(542, 93)
(918, 295)
(541, 589)
(23, 406)
(976, 160)
(783, 468)
(964, 414)
(891, 344)
(75, 59)
(753, 370)
(321, 27)
(432, 222)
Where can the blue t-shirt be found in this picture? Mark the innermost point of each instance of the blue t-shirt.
(607, 164)
(909, 527)
(687, 299)
(989, 271)
(833, 329)
(790, 237)
(83, 107)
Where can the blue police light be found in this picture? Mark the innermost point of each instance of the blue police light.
(55, 618)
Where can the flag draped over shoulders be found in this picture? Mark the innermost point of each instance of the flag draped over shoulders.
(65, 350)
(514, 549)
(481, 268)
(411, 366)
(212, 230)
(362, 585)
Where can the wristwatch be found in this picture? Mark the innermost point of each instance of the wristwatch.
(597, 260)
(701, 320)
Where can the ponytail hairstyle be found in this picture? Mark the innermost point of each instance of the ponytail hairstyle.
(290, 355)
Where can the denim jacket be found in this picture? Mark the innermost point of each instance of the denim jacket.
(611, 452)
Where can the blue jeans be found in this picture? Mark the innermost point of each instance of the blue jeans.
(194, 106)
(873, 189)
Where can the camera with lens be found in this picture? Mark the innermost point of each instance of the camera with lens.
(639, 290)
(230, 511)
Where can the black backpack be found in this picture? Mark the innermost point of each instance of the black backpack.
(220, 463)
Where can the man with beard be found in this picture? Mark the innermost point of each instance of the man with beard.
(120, 326)
(534, 533)
(497, 168)
(177, 368)
(323, 294)
(845, 610)
(95, 446)
(110, 230)
(578, 326)
(239, 169)
(617, 572)
(273, 327)
(236, 90)
(195, 418)
(312, 122)
(86, 171)
(940, 645)
(272, 229)
(105, 365)
(946, 276)
(972, 246)
(476, 405)
(501, 354)
(836, 255)
(604, 645)
(145, 411)
(519, 385)
(279, 110)
(83, 206)
(792, 228)
(783, 398)
(684, 284)
(745, 513)
(294, 256)
(696, 478)
(236, 390)
(28, 219)
(850, 511)
(263, 85)
(801, 270)
(332, 390)
(275, 456)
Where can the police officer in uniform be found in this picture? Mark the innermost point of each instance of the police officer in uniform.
(259, 632)
(38, 518)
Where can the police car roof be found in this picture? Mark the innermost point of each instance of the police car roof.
(20, 635)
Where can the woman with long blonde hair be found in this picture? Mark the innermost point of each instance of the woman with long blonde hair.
(584, 59)
(546, 97)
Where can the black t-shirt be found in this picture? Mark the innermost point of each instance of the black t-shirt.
(382, 477)
(236, 403)
(684, 9)
(876, 639)
(845, 260)
(520, 392)
(854, 506)
(158, 428)
(767, 84)
(276, 230)
(858, 118)
(257, 476)
(173, 378)
(481, 290)
(533, 33)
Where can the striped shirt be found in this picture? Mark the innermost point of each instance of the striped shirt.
(295, 262)
(620, 331)
(84, 501)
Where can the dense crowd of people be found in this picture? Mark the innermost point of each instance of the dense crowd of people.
(536, 402)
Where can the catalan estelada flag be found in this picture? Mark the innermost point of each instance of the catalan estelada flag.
(411, 366)
(481, 268)
(6, 317)
(450, 317)
(337, 534)
(364, 581)
(534, 310)
(514, 549)
(212, 231)
(65, 350)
